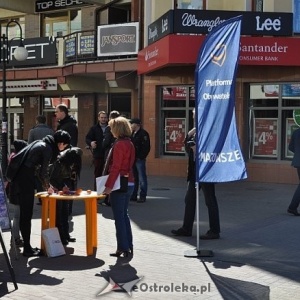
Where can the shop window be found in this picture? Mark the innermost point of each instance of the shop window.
(62, 23)
(274, 115)
(176, 106)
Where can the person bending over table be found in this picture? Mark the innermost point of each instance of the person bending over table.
(63, 177)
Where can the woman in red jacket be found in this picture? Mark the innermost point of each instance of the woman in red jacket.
(119, 162)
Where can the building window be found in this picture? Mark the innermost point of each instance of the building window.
(176, 106)
(62, 23)
(274, 115)
(258, 5)
(189, 4)
(13, 29)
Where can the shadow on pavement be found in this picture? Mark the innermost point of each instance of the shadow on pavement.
(120, 277)
(66, 263)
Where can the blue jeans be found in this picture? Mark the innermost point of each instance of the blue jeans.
(119, 204)
(140, 178)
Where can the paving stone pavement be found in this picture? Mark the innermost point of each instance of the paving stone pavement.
(257, 256)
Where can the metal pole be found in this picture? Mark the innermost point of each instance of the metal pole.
(4, 56)
(4, 103)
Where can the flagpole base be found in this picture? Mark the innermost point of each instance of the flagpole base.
(198, 253)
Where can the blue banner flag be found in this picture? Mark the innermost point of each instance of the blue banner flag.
(218, 153)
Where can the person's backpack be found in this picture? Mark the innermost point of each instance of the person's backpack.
(16, 162)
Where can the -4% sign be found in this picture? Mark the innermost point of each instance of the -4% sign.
(175, 134)
(265, 136)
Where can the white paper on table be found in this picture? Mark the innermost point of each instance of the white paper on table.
(100, 184)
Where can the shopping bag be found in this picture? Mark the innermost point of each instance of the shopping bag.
(52, 241)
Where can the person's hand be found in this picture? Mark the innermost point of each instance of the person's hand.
(50, 190)
(192, 132)
(93, 144)
(106, 191)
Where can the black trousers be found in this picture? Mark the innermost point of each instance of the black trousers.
(26, 181)
(210, 201)
(98, 165)
(62, 219)
(296, 197)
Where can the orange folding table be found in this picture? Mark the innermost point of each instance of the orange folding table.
(49, 214)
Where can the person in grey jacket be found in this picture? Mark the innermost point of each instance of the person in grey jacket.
(294, 146)
(40, 130)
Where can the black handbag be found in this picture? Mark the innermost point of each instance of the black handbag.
(123, 184)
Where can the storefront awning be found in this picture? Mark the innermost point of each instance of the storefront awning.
(177, 50)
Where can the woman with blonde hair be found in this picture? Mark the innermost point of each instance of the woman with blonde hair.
(119, 162)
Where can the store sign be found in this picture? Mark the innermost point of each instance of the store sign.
(70, 47)
(161, 27)
(87, 44)
(167, 51)
(253, 23)
(49, 5)
(174, 93)
(270, 51)
(183, 50)
(265, 137)
(30, 85)
(203, 21)
(116, 40)
(41, 51)
(175, 130)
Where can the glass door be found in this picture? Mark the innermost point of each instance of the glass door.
(15, 117)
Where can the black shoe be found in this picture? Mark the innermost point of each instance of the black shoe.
(19, 242)
(133, 199)
(181, 232)
(33, 252)
(120, 253)
(293, 212)
(209, 235)
(141, 200)
(71, 239)
(131, 250)
(106, 202)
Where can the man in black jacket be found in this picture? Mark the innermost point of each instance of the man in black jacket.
(40, 154)
(67, 123)
(108, 138)
(141, 141)
(294, 146)
(94, 139)
(208, 189)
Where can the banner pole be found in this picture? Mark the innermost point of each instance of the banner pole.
(197, 252)
(197, 215)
